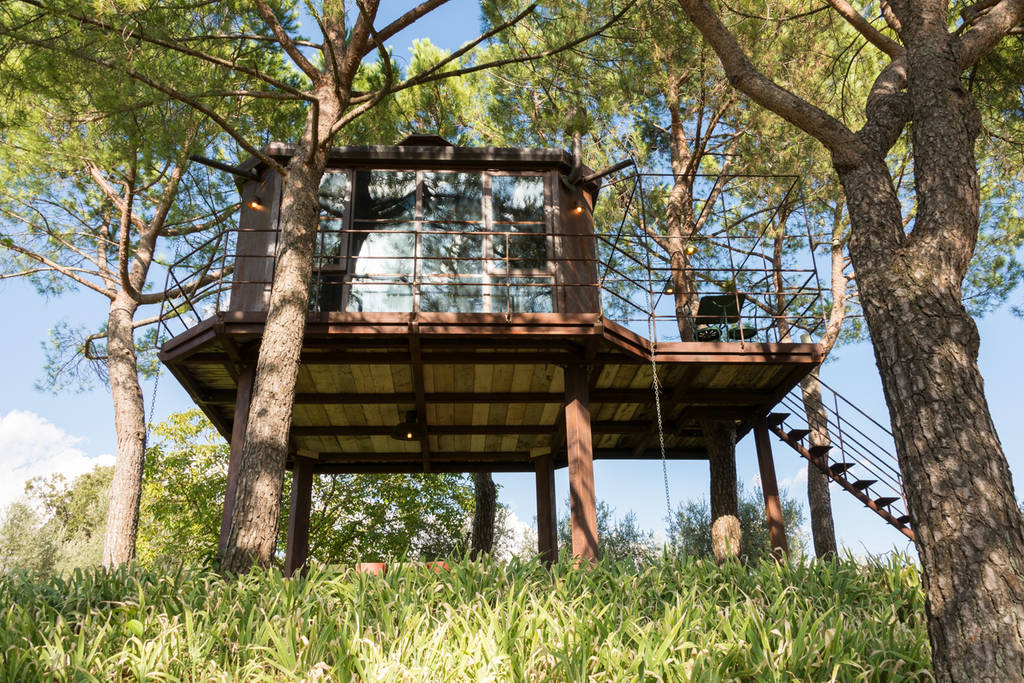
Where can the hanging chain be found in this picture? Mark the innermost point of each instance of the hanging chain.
(152, 400)
(661, 429)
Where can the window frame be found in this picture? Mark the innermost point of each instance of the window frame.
(489, 278)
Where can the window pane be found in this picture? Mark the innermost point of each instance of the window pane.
(522, 295)
(449, 249)
(326, 291)
(385, 195)
(333, 195)
(465, 297)
(453, 196)
(330, 240)
(524, 251)
(373, 295)
(517, 198)
(387, 250)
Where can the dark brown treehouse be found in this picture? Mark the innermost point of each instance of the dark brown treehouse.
(466, 317)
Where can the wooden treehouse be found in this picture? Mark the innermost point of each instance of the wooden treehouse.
(465, 316)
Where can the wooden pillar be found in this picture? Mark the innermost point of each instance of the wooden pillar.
(242, 398)
(770, 487)
(547, 524)
(297, 551)
(580, 447)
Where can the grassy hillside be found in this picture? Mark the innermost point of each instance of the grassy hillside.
(482, 621)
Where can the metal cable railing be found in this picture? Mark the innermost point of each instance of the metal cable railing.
(862, 449)
(626, 278)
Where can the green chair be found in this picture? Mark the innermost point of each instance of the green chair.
(715, 312)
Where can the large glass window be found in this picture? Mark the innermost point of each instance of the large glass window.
(436, 241)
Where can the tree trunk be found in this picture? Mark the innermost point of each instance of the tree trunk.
(261, 474)
(130, 427)
(819, 499)
(483, 516)
(969, 531)
(725, 530)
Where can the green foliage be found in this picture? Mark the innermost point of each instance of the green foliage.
(672, 620)
(373, 517)
(57, 525)
(619, 539)
(182, 492)
(690, 527)
(23, 543)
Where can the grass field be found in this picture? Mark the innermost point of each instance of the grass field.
(672, 621)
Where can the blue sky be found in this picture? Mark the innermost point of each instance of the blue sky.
(41, 433)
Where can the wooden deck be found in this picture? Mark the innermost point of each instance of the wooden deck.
(491, 388)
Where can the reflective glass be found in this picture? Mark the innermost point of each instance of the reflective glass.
(522, 295)
(371, 295)
(333, 194)
(330, 239)
(388, 250)
(517, 198)
(524, 251)
(453, 196)
(449, 248)
(466, 297)
(385, 195)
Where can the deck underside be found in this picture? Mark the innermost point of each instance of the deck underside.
(490, 388)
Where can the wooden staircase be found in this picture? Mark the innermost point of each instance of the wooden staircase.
(854, 460)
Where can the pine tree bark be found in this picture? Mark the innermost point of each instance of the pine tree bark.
(819, 498)
(257, 506)
(968, 529)
(483, 516)
(130, 428)
(720, 438)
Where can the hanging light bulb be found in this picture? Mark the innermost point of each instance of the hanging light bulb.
(669, 287)
(255, 204)
(409, 430)
(578, 210)
(690, 249)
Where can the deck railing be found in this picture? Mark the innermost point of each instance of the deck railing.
(746, 281)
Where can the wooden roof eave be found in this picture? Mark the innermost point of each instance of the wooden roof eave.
(415, 156)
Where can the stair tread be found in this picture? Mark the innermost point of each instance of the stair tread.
(775, 419)
(818, 451)
(840, 467)
(797, 434)
(885, 500)
(862, 484)
(905, 519)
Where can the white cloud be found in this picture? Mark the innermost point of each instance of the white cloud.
(790, 483)
(800, 478)
(31, 446)
(521, 537)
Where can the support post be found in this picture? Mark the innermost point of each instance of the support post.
(242, 398)
(297, 551)
(770, 487)
(580, 447)
(547, 524)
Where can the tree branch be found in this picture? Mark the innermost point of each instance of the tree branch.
(70, 273)
(406, 20)
(986, 32)
(285, 41)
(864, 27)
(219, 61)
(742, 74)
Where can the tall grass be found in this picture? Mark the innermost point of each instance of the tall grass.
(673, 621)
